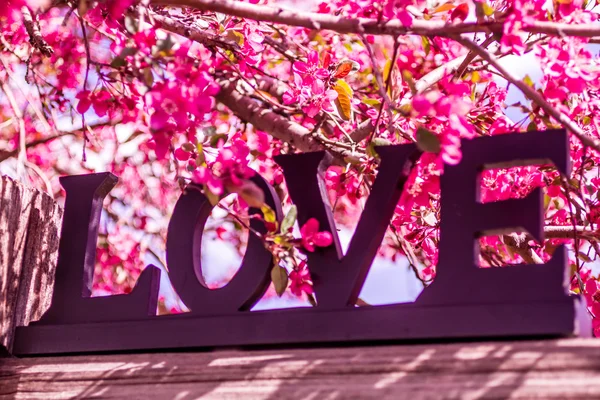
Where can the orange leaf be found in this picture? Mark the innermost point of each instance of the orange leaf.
(443, 7)
(346, 67)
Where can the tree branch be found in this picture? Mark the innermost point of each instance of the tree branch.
(342, 24)
(567, 232)
(193, 33)
(4, 155)
(531, 93)
(276, 125)
(33, 30)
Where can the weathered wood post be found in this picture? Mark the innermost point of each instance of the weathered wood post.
(29, 233)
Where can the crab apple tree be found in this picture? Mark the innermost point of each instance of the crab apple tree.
(172, 93)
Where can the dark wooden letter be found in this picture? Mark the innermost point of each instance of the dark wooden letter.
(184, 243)
(71, 301)
(464, 218)
(338, 279)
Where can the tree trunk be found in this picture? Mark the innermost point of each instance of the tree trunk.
(29, 235)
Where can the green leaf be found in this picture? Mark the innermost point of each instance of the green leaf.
(427, 141)
(405, 109)
(354, 160)
(289, 220)
(280, 240)
(268, 213)
(280, 279)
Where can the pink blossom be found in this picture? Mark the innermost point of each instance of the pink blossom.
(145, 40)
(182, 155)
(321, 99)
(117, 8)
(592, 297)
(310, 70)
(203, 176)
(300, 280)
(101, 100)
(311, 236)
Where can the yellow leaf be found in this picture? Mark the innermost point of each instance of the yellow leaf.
(235, 36)
(386, 73)
(487, 9)
(528, 81)
(386, 70)
(371, 102)
(443, 7)
(344, 99)
(268, 213)
(341, 85)
(426, 44)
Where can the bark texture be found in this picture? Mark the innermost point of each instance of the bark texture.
(29, 234)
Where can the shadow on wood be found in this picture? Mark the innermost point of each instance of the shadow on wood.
(565, 368)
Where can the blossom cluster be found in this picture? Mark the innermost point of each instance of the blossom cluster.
(165, 97)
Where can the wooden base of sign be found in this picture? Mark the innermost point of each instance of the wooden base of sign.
(302, 326)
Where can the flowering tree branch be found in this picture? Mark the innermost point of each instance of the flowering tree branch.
(343, 24)
(193, 33)
(35, 36)
(276, 125)
(531, 93)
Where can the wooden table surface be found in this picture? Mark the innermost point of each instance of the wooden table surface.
(557, 368)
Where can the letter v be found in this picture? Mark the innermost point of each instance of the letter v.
(338, 278)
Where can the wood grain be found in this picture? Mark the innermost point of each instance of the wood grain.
(560, 369)
(29, 234)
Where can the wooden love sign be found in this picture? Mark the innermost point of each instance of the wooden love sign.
(463, 301)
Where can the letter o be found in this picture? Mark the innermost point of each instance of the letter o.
(184, 240)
